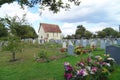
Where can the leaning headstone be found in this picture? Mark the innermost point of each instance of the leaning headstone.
(64, 45)
(70, 48)
(114, 52)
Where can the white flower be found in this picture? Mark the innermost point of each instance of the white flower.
(108, 64)
(111, 59)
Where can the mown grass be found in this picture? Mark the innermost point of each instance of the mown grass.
(26, 68)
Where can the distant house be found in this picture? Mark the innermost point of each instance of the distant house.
(49, 31)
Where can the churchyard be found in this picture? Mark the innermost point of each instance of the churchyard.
(47, 61)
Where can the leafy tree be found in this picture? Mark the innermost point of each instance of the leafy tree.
(19, 27)
(110, 32)
(101, 34)
(118, 35)
(53, 5)
(28, 32)
(3, 30)
(88, 34)
(13, 45)
(80, 32)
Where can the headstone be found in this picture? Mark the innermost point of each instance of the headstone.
(77, 43)
(108, 42)
(70, 48)
(92, 44)
(42, 41)
(70, 42)
(84, 43)
(114, 41)
(102, 44)
(34, 41)
(64, 45)
(114, 52)
(118, 41)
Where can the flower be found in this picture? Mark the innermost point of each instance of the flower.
(110, 59)
(68, 76)
(93, 70)
(82, 72)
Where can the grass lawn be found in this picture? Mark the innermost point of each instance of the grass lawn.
(26, 68)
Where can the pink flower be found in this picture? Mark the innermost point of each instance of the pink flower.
(68, 76)
(93, 70)
(82, 72)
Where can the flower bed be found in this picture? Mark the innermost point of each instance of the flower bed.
(97, 68)
(81, 50)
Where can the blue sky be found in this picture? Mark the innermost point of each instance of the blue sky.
(94, 15)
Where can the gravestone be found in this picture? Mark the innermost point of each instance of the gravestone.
(77, 43)
(52, 41)
(70, 48)
(114, 52)
(108, 42)
(118, 41)
(102, 44)
(84, 43)
(64, 45)
(34, 41)
(92, 44)
(42, 41)
(114, 41)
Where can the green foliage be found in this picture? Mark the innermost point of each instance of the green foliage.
(88, 34)
(19, 27)
(80, 32)
(53, 5)
(43, 55)
(110, 32)
(3, 29)
(101, 34)
(13, 45)
(28, 69)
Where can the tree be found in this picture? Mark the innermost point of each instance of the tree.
(80, 32)
(101, 34)
(3, 30)
(53, 5)
(13, 45)
(110, 32)
(20, 28)
(28, 32)
(88, 34)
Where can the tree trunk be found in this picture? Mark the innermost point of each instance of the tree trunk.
(13, 56)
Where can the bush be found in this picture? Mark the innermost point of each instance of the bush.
(43, 55)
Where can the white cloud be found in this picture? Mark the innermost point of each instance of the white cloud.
(14, 9)
(68, 29)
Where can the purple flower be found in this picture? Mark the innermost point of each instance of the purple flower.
(82, 72)
(68, 76)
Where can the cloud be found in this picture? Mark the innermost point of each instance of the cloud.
(94, 11)
(68, 29)
(14, 9)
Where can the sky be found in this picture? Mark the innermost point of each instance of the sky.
(94, 15)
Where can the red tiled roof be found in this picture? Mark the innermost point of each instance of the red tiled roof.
(50, 27)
